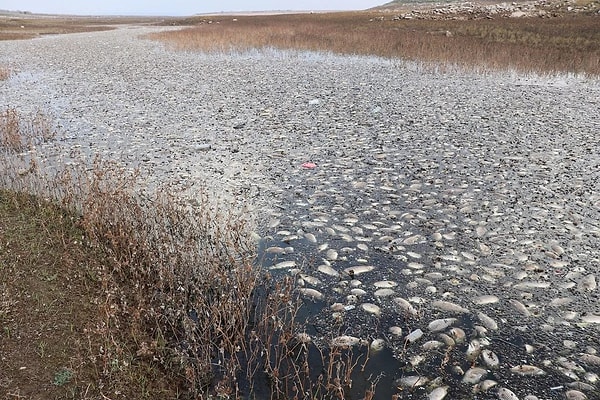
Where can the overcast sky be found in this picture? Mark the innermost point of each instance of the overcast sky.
(178, 7)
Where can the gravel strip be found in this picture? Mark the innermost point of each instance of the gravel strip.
(474, 197)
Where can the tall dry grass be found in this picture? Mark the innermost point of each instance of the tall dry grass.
(542, 45)
(181, 292)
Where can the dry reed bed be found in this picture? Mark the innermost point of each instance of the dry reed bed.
(565, 44)
(180, 292)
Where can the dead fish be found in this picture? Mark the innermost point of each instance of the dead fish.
(345, 341)
(441, 324)
(448, 306)
(480, 231)
(438, 393)
(331, 255)
(377, 345)
(520, 307)
(575, 395)
(531, 285)
(414, 336)
(473, 350)
(448, 341)
(560, 301)
(384, 292)
(405, 306)
(474, 375)
(591, 319)
(362, 246)
(311, 280)
(486, 299)
(275, 250)
(327, 270)
(484, 386)
(591, 377)
(310, 237)
(395, 330)
(578, 385)
(487, 321)
(432, 345)
(490, 358)
(311, 293)
(413, 240)
(283, 265)
(303, 337)
(590, 359)
(506, 394)
(457, 334)
(527, 370)
(371, 308)
(557, 249)
(358, 292)
(485, 249)
(587, 283)
(360, 269)
(385, 284)
(412, 381)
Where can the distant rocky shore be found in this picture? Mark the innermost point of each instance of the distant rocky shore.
(489, 10)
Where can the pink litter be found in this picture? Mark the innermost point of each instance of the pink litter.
(309, 165)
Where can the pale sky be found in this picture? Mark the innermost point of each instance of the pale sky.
(179, 7)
